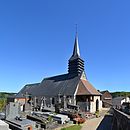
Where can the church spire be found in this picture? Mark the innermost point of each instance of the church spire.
(76, 64)
(76, 47)
(76, 52)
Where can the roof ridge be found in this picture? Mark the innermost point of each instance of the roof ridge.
(55, 76)
(31, 84)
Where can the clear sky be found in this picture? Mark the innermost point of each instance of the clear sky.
(37, 39)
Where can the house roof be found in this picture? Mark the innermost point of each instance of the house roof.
(117, 100)
(102, 92)
(106, 94)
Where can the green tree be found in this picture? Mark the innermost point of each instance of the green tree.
(2, 103)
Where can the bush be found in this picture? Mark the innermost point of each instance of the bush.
(97, 113)
(50, 119)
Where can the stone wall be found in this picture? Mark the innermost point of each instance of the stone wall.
(93, 104)
(121, 121)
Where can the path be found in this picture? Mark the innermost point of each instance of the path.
(101, 123)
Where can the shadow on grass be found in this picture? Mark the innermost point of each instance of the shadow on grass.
(106, 123)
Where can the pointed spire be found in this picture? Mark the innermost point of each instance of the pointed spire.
(76, 64)
(76, 46)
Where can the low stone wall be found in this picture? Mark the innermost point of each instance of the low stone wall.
(121, 121)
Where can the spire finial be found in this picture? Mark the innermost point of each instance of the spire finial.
(76, 46)
(76, 27)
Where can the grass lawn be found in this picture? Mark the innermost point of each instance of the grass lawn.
(74, 127)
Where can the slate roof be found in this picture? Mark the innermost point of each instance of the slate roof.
(61, 84)
(117, 101)
(29, 88)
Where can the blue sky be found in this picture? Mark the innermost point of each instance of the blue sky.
(37, 38)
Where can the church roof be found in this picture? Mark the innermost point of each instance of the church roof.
(52, 86)
(61, 84)
(29, 89)
(85, 88)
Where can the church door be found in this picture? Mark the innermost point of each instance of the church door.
(97, 105)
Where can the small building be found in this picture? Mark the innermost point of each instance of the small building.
(70, 88)
(118, 101)
(106, 99)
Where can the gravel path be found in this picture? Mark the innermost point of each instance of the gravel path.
(92, 124)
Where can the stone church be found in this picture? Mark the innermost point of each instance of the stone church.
(72, 87)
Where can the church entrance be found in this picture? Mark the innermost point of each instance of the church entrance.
(97, 105)
(83, 102)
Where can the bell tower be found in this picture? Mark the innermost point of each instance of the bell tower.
(76, 64)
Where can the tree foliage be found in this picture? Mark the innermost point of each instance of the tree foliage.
(2, 104)
(117, 94)
(3, 99)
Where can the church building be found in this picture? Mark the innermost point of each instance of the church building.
(72, 87)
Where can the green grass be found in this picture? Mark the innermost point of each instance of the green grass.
(74, 127)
